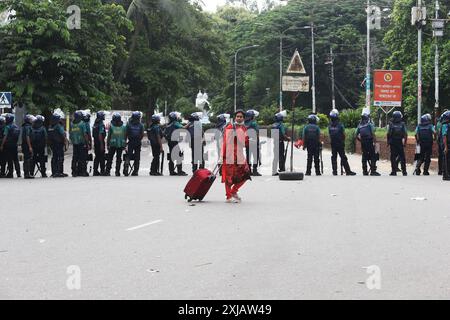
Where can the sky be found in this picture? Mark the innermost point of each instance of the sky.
(211, 5)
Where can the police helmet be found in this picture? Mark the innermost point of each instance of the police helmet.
(446, 116)
(136, 115)
(56, 117)
(28, 119)
(86, 115)
(424, 119)
(9, 118)
(312, 119)
(334, 114)
(78, 115)
(101, 115)
(251, 114)
(280, 116)
(174, 116)
(221, 119)
(116, 117)
(397, 115)
(156, 118)
(194, 117)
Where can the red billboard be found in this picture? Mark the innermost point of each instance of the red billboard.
(387, 88)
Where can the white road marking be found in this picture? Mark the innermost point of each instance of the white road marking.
(144, 225)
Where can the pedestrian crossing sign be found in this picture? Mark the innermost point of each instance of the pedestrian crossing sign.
(5, 99)
(296, 65)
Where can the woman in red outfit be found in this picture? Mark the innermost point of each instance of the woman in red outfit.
(235, 170)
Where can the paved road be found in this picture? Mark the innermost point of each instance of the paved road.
(136, 238)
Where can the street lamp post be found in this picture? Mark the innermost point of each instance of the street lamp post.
(235, 72)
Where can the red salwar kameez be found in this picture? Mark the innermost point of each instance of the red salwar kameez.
(235, 169)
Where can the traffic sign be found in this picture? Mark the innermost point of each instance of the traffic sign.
(388, 88)
(296, 65)
(295, 84)
(5, 99)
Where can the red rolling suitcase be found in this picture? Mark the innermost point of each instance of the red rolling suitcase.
(200, 183)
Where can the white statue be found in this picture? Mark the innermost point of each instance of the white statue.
(201, 102)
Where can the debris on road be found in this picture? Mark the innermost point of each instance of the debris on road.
(419, 199)
(204, 264)
(152, 271)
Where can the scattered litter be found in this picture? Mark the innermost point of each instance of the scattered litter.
(192, 205)
(361, 282)
(202, 265)
(152, 271)
(419, 199)
(41, 240)
(334, 195)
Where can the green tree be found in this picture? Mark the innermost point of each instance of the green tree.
(46, 65)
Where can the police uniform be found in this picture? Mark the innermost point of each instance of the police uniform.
(99, 135)
(2, 152)
(154, 135)
(425, 133)
(311, 140)
(336, 132)
(87, 123)
(27, 155)
(197, 146)
(366, 131)
(38, 137)
(78, 132)
(116, 145)
(56, 139)
(445, 133)
(173, 145)
(253, 151)
(396, 133)
(440, 142)
(281, 128)
(135, 133)
(12, 133)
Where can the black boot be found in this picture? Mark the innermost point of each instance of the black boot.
(347, 169)
(180, 170)
(136, 168)
(172, 169)
(255, 171)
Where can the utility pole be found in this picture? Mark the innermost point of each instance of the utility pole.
(313, 87)
(281, 72)
(332, 78)
(436, 66)
(419, 65)
(331, 62)
(368, 76)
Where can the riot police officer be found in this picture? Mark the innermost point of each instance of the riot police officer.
(279, 127)
(80, 141)
(38, 138)
(2, 153)
(174, 124)
(155, 136)
(397, 138)
(441, 158)
(445, 135)
(311, 141)
(99, 136)
(27, 149)
(116, 142)
(336, 131)
(253, 151)
(195, 129)
(87, 123)
(8, 145)
(135, 134)
(425, 135)
(365, 133)
(58, 142)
